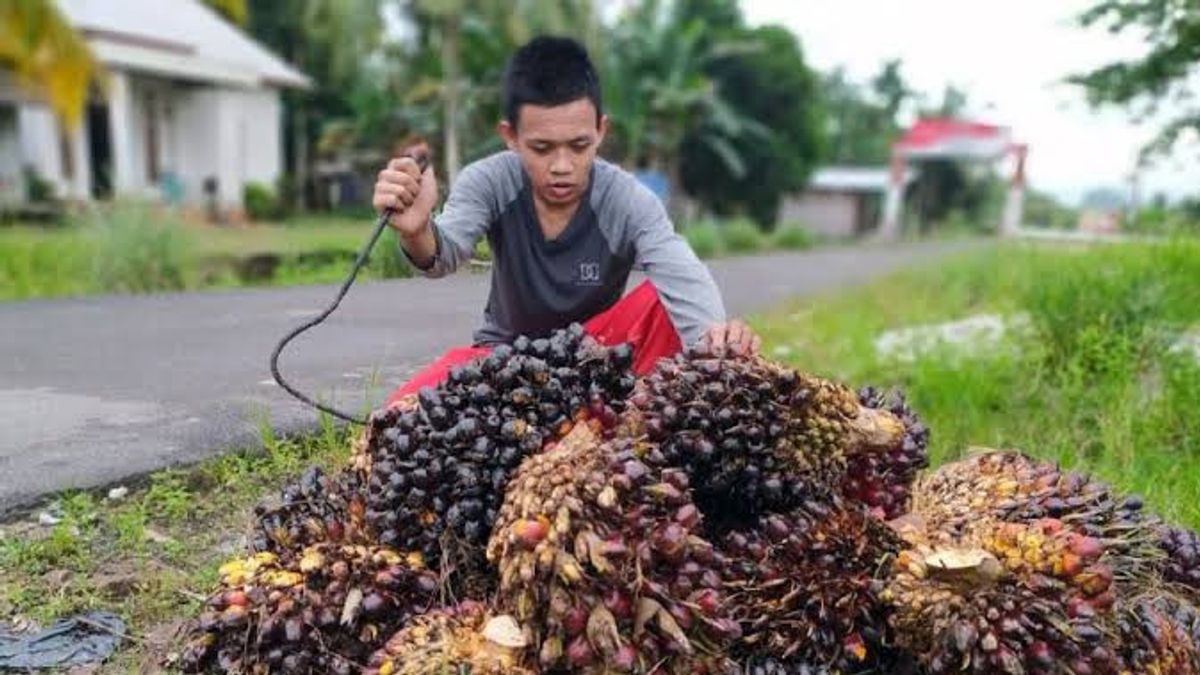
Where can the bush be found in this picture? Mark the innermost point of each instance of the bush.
(792, 237)
(741, 236)
(139, 249)
(260, 202)
(704, 238)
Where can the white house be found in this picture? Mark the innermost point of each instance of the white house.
(190, 101)
(840, 201)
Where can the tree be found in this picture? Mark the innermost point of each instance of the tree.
(858, 131)
(1165, 73)
(332, 41)
(772, 86)
(47, 55)
(657, 92)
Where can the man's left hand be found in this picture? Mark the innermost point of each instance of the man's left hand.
(734, 337)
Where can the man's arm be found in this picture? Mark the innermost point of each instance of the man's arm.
(683, 282)
(435, 246)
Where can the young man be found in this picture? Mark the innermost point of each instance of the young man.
(565, 227)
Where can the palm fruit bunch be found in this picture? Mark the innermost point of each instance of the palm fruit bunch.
(1012, 487)
(751, 435)
(456, 639)
(600, 560)
(805, 587)
(1160, 635)
(1031, 597)
(317, 508)
(437, 471)
(1182, 549)
(883, 479)
(323, 611)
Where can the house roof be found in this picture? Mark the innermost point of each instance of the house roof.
(177, 38)
(854, 178)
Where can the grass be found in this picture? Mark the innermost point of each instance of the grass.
(138, 248)
(1093, 386)
(135, 248)
(152, 556)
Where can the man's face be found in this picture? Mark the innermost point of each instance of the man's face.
(557, 146)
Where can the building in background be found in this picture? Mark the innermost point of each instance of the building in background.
(190, 113)
(840, 201)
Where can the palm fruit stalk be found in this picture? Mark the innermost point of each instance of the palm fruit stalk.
(805, 587)
(753, 436)
(600, 561)
(438, 472)
(1182, 550)
(457, 639)
(1030, 598)
(882, 479)
(1160, 635)
(1011, 487)
(317, 508)
(323, 611)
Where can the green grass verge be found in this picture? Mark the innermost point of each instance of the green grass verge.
(133, 248)
(151, 557)
(1092, 386)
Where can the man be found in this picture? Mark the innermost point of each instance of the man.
(565, 227)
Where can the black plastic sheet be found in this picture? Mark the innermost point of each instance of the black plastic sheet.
(87, 638)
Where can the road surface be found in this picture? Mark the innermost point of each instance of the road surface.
(95, 390)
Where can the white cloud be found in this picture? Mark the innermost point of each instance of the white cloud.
(1011, 58)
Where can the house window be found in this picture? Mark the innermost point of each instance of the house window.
(151, 126)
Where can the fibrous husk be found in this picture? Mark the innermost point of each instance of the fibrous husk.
(599, 557)
(882, 477)
(1007, 598)
(458, 639)
(321, 611)
(805, 587)
(316, 509)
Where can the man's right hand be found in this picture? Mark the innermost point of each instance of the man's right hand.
(410, 194)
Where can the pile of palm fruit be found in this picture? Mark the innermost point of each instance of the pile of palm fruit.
(546, 511)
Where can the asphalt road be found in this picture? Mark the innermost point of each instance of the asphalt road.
(95, 390)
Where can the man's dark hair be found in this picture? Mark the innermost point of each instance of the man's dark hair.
(549, 71)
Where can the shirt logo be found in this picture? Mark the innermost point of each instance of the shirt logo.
(589, 273)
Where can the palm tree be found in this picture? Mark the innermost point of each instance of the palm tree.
(657, 92)
(47, 55)
(233, 10)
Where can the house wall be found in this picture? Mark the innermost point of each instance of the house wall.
(829, 214)
(231, 134)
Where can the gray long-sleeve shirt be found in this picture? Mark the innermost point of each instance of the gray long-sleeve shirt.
(539, 285)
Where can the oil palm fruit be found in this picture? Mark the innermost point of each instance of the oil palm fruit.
(882, 479)
(437, 470)
(599, 557)
(752, 436)
(1182, 549)
(458, 639)
(322, 611)
(1160, 635)
(804, 587)
(317, 508)
(1030, 597)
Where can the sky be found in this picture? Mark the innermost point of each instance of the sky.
(1011, 57)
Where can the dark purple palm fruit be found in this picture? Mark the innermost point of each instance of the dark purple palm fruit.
(882, 478)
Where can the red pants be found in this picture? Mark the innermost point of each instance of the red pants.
(638, 318)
